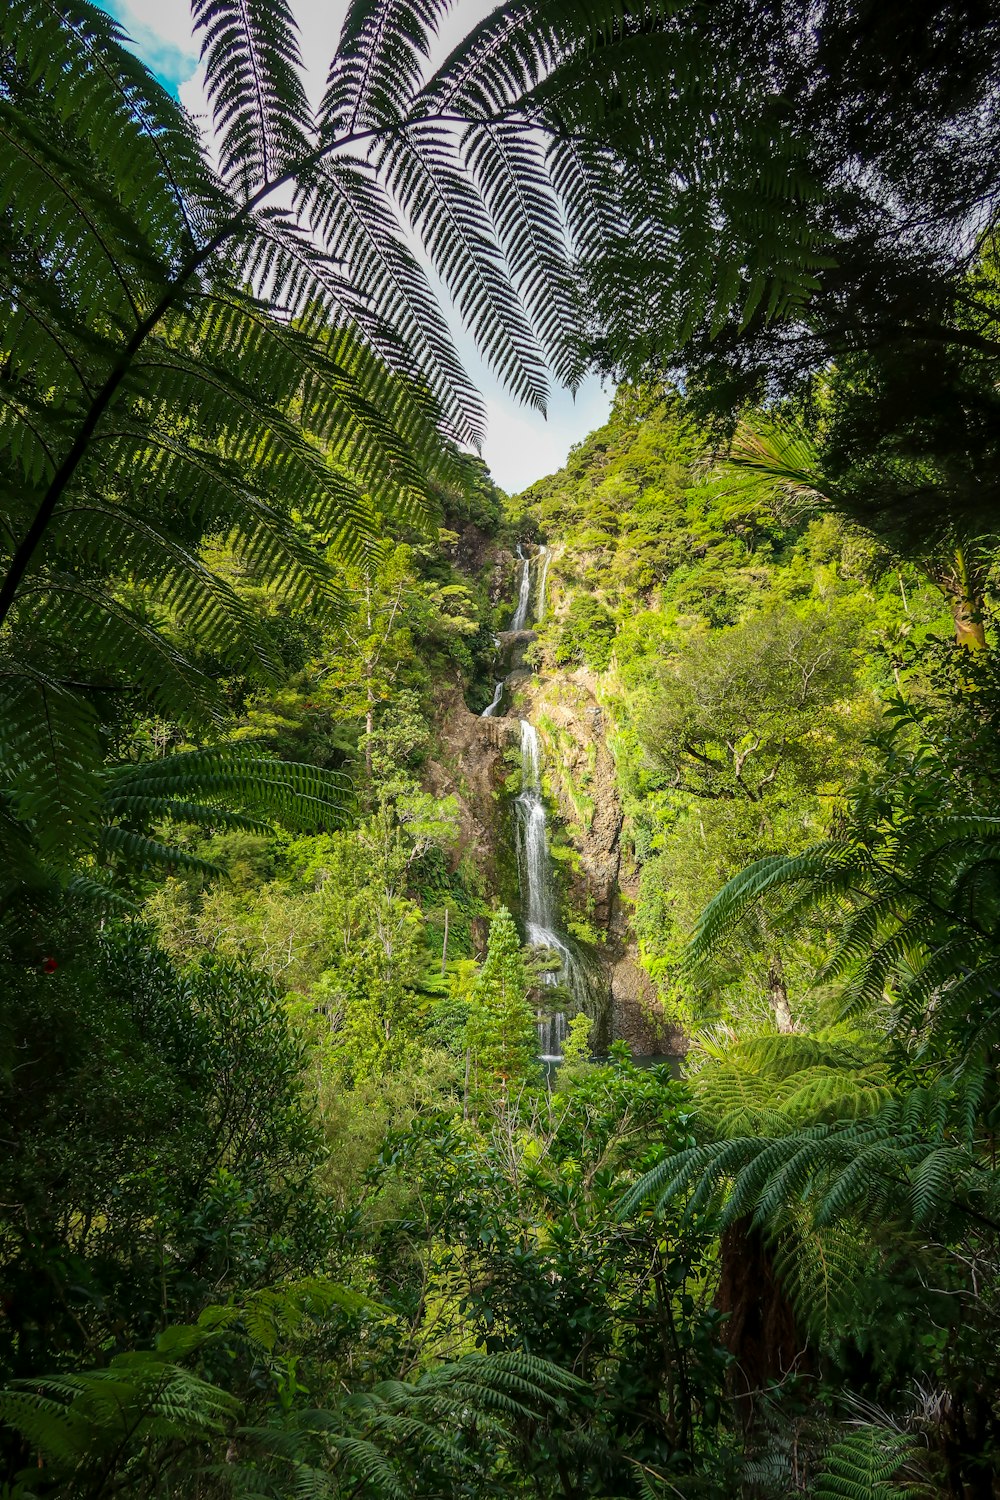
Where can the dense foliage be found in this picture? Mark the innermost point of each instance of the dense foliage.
(289, 1204)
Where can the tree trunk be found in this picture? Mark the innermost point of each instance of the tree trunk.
(959, 579)
(759, 1330)
(779, 997)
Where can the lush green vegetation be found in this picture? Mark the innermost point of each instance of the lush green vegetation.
(289, 1206)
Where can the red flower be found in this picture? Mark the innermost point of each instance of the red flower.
(49, 966)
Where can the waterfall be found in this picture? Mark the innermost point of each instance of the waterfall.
(534, 862)
(491, 708)
(524, 594)
(540, 616)
(538, 887)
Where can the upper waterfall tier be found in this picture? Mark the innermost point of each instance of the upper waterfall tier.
(520, 618)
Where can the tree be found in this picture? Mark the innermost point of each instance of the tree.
(586, 635)
(502, 1033)
(905, 447)
(746, 727)
(866, 1169)
(162, 1151)
(736, 712)
(362, 667)
(763, 251)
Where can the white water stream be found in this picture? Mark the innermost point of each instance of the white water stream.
(534, 862)
(520, 619)
(491, 708)
(534, 867)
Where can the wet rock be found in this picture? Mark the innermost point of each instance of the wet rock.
(469, 765)
(637, 1015)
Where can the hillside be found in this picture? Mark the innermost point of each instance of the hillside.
(731, 660)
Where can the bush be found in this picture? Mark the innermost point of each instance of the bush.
(587, 635)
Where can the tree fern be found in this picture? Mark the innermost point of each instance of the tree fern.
(865, 1464)
(92, 1428)
(225, 786)
(911, 1161)
(381, 1440)
(914, 903)
(843, 1173)
(80, 1423)
(912, 500)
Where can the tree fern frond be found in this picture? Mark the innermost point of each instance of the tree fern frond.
(245, 785)
(379, 63)
(819, 1269)
(168, 680)
(864, 1464)
(350, 209)
(254, 79)
(78, 1421)
(74, 53)
(424, 171)
(51, 752)
(509, 166)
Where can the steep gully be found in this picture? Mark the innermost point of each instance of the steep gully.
(534, 863)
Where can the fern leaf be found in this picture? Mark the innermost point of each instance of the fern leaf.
(863, 1465)
(254, 81)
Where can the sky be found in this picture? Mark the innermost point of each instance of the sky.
(521, 445)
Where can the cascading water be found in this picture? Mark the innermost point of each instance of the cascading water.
(520, 619)
(534, 863)
(491, 708)
(537, 885)
(547, 558)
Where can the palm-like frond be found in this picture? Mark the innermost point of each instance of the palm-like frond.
(782, 450)
(915, 909)
(80, 1421)
(136, 807)
(227, 786)
(865, 1464)
(382, 1436)
(254, 72)
(912, 1161)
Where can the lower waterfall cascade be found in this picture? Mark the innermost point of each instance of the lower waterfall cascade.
(534, 867)
(492, 707)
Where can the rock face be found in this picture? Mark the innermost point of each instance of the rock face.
(637, 1015)
(580, 771)
(469, 765)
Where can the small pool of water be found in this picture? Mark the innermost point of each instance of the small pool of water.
(672, 1064)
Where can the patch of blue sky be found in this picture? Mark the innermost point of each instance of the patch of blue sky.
(160, 35)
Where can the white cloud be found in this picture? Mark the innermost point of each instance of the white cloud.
(521, 445)
(162, 36)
